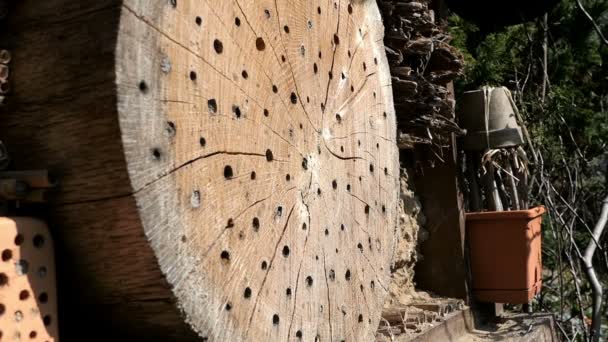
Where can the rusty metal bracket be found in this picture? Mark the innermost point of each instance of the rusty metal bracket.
(25, 186)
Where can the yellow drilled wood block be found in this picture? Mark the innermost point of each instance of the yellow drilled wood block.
(28, 299)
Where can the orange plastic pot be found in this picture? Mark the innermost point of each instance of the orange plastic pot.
(505, 255)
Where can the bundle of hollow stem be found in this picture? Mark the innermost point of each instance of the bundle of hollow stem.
(497, 179)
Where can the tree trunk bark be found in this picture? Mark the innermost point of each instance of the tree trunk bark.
(228, 169)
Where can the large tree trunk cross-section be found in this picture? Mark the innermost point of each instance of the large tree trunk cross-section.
(228, 167)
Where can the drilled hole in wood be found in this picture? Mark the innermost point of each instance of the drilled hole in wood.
(287, 177)
(228, 173)
(237, 111)
(319, 191)
(286, 29)
(384, 114)
(336, 39)
(195, 199)
(275, 319)
(202, 142)
(309, 281)
(193, 76)
(24, 295)
(170, 129)
(342, 75)
(143, 87)
(299, 334)
(331, 75)
(184, 239)
(332, 275)
(364, 66)
(342, 149)
(348, 187)
(371, 168)
(383, 209)
(253, 175)
(288, 292)
(212, 105)
(237, 21)
(245, 74)
(386, 171)
(350, 9)
(173, 3)
(2, 310)
(255, 224)
(319, 9)
(267, 14)
(320, 54)
(199, 21)
(342, 227)
(315, 68)
(347, 275)
(283, 59)
(322, 107)
(305, 164)
(334, 184)
(286, 251)
(338, 118)
(275, 89)
(374, 94)
(7, 255)
(360, 246)
(33, 334)
(326, 232)
(375, 61)
(218, 46)
(294, 98)
(247, 293)
(304, 226)
(228, 306)
(230, 223)
(309, 23)
(266, 113)
(260, 44)
(372, 285)
(225, 255)
(264, 265)
(352, 89)
(366, 209)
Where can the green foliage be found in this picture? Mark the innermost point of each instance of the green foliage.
(568, 126)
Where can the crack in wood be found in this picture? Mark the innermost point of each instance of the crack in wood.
(257, 298)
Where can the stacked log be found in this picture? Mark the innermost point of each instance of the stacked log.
(422, 64)
(227, 170)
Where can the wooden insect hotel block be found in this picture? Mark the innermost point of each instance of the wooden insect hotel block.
(28, 298)
(228, 169)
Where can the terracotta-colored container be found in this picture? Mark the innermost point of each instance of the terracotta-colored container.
(505, 255)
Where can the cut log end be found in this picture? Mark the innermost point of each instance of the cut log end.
(260, 142)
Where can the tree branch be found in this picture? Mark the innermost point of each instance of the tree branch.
(595, 25)
(596, 287)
